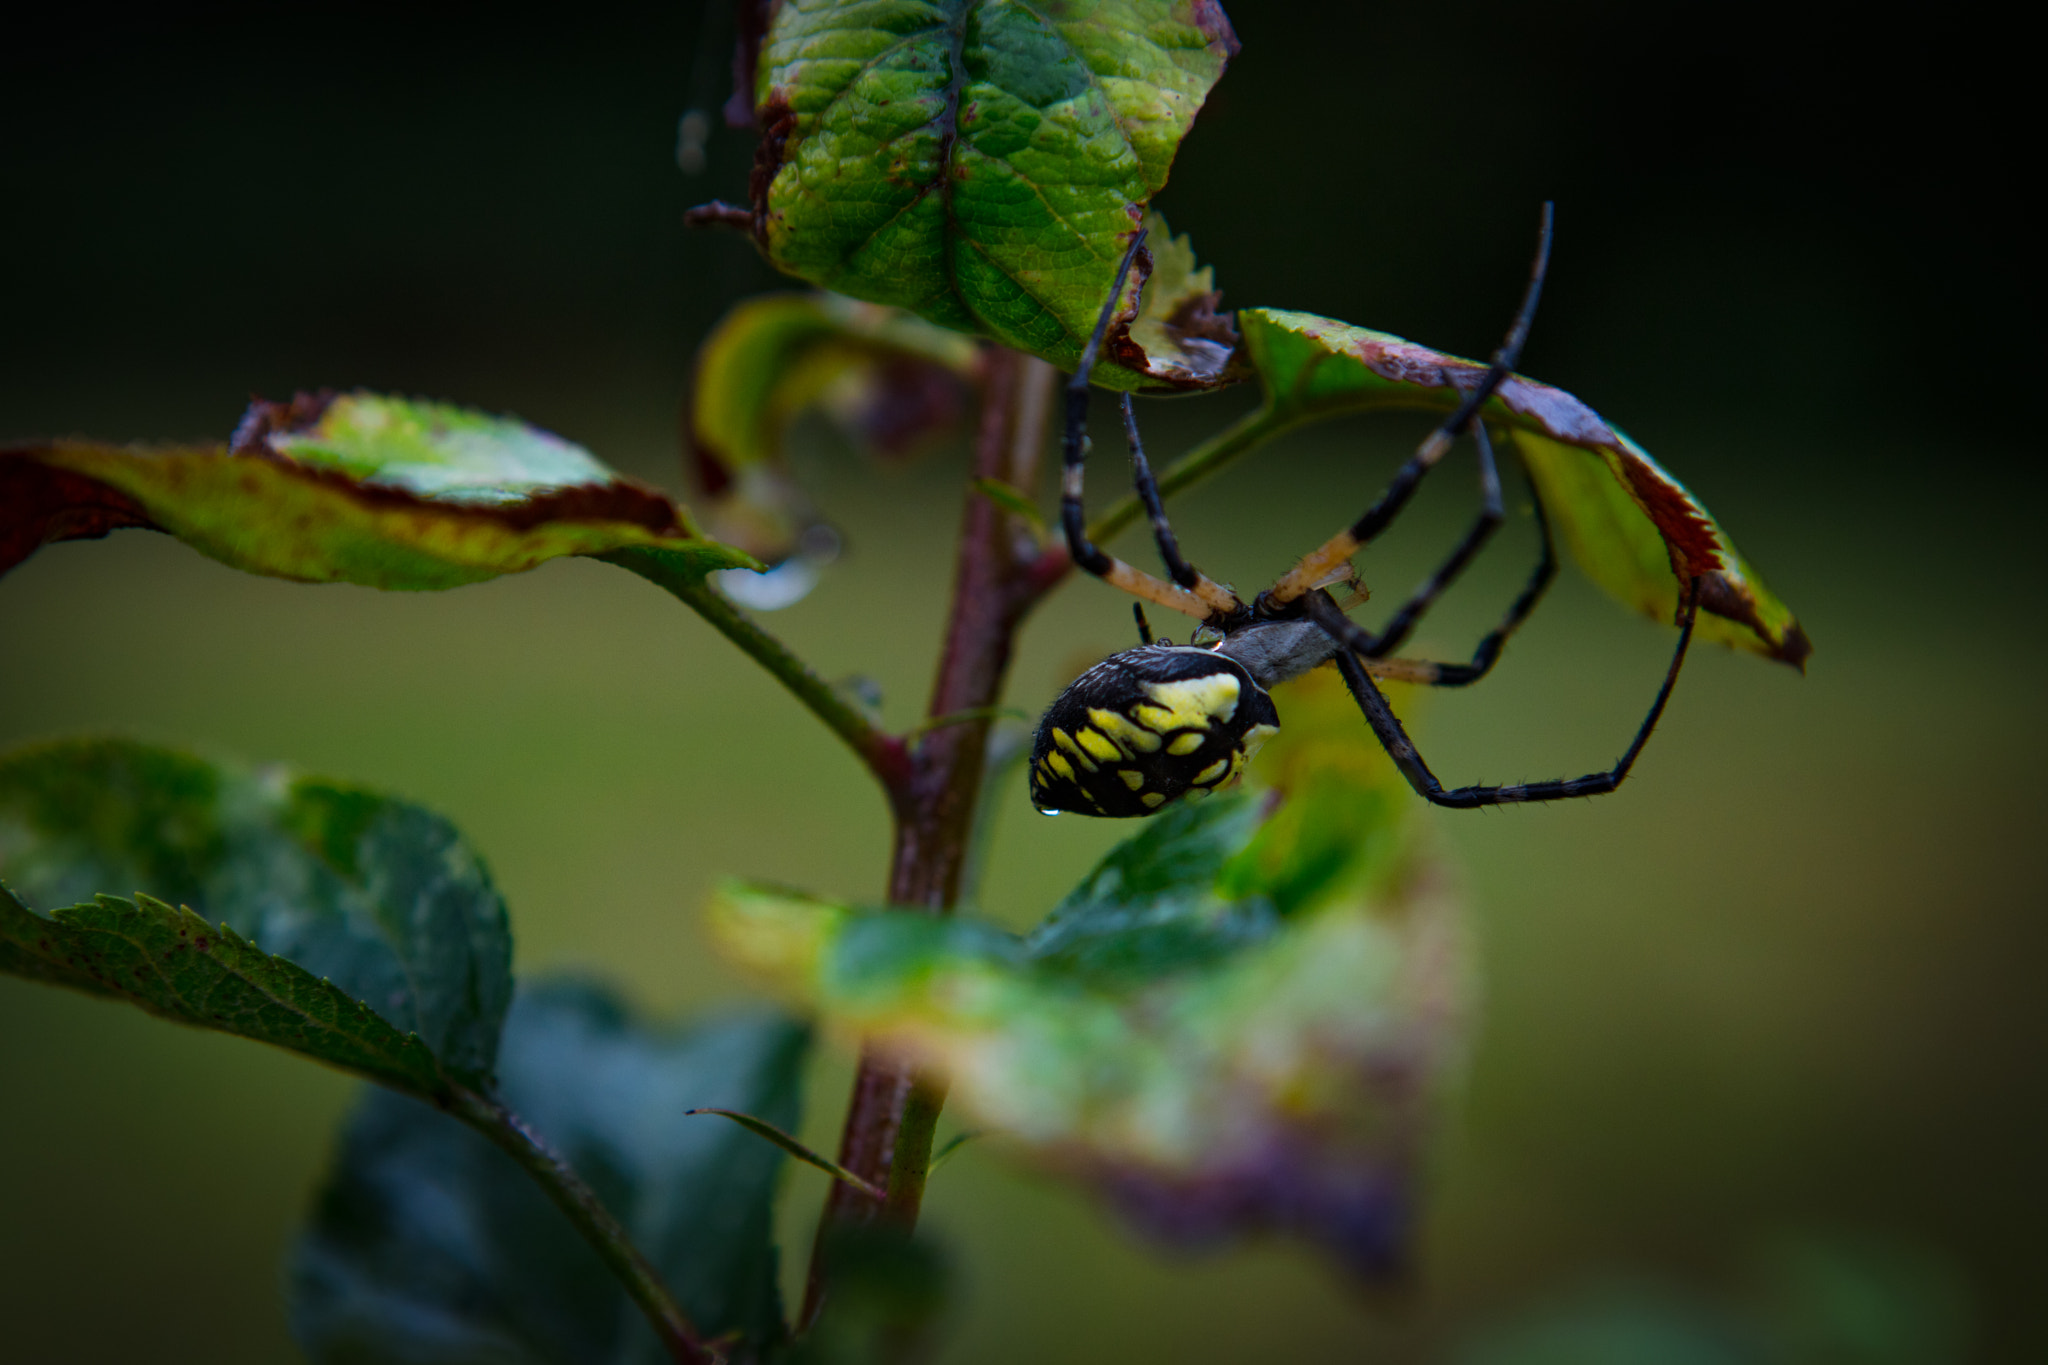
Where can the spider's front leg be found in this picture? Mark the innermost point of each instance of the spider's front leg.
(1387, 726)
(1364, 643)
(1193, 594)
(1316, 567)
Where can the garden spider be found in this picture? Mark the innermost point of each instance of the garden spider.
(1151, 725)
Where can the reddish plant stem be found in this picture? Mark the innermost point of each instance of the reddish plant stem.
(998, 577)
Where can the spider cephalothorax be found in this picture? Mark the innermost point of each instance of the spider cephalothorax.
(1159, 723)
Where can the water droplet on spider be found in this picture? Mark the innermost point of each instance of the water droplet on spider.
(1048, 810)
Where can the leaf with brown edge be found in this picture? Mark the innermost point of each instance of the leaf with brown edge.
(986, 164)
(361, 488)
(892, 380)
(1633, 528)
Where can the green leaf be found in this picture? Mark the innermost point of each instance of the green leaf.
(379, 897)
(985, 164)
(1238, 1022)
(1635, 530)
(360, 488)
(890, 378)
(430, 1245)
(174, 964)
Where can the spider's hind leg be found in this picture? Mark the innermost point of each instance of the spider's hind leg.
(1315, 566)
(1487, 652)
(1074, 447)
(1392, 737)
(1220, 600)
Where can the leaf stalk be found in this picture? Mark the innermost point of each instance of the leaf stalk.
(679, 1337)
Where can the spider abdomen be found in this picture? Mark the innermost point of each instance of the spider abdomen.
(1146, 727)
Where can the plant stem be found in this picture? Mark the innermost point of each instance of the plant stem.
(576, 1199)
(998, 577)
(884, 754)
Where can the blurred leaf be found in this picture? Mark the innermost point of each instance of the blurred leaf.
(1840, 1300)
(985, 164)
(1634, 529)
(1238, 1022)
(1622, 1324)
(1810, 1300)
(430, 1245)
(386, 492)
(177, 966)
(888, 377)
(381, 898)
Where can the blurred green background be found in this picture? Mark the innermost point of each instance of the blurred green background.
(1785, 986)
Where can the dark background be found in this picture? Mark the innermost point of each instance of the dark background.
(1785, 986)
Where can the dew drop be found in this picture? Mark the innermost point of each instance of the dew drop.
(1047, 810)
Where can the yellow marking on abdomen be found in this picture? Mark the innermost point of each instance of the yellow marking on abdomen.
(1066, 741)
(1098, 745)
(1185, 745)
(1255, 738)
(1124, 731)
(1192, 702)
(1058, 763)
(1154, 799)
(1212, 772)
(1132, 777)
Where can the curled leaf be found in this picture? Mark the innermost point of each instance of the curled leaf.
(360, 488)
(1239, 1022)
(985, 164)
(1635, 529)
(889, 379)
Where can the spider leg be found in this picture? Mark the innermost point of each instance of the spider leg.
(1317, 565)
(1074, 448)
(1144, 626)
(1429, 673)
(1387, 727)
(1221, 600)
(1491, 513)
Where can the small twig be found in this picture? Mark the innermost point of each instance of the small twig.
(590, 1217)
(951, 1145)
(884, 754)
(764, 1129)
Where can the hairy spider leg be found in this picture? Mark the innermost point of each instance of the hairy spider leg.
(1317, 565)
(1086, 553)
(1376, 647)
(1394, 739)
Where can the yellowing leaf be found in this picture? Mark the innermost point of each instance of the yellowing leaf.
(360, 488)
(1239, 1022)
